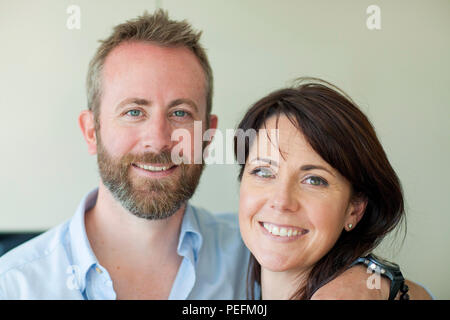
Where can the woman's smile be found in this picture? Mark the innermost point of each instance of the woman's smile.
(283, 233)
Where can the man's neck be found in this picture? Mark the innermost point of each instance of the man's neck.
(127, 245)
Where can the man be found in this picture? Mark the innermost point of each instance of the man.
(136, 236)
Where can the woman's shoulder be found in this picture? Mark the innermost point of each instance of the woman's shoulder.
(417, 291)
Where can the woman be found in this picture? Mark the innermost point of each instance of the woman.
(317, 195)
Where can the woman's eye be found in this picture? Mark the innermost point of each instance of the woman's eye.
(134, 113)
(262, 172)
(316, 181)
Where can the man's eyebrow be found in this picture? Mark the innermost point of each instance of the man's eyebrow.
(145, 102)
(269, 161)
(308, 167)
(138, 101)
(177, 102)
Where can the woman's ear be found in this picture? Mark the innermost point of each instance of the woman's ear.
(355, 211)
(87, 125)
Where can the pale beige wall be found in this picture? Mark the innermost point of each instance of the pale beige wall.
(399, 75)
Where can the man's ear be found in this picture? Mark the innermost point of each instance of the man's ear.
(87, 126)
(355, 212)
(213, 120)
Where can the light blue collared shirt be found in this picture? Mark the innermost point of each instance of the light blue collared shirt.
(60, 263)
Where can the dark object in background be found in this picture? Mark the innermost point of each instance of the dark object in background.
(11, 240)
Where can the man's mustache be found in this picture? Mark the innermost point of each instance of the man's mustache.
(148, 157)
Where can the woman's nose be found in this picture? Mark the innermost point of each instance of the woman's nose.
(285, 199)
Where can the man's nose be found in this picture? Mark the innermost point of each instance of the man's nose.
(284, 198)
(157, 132)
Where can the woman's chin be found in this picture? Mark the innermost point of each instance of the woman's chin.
(274, 263)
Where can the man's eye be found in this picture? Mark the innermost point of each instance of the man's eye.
(180, 113)
(316, 181)
(262, 172)
(134, 113)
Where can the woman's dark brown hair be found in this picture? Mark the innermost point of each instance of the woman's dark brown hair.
(343, 136)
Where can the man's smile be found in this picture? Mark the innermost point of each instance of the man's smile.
(154, 167)
(154, 170)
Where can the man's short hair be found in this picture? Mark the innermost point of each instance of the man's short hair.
(154, 28)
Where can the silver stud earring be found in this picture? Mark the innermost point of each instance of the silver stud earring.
(350, 225)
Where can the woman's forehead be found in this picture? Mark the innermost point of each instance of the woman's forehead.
(281, 132)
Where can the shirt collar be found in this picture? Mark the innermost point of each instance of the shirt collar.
(189, 243)
(190, 240)
(83, 256)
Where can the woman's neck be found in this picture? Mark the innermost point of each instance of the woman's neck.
(281, 285)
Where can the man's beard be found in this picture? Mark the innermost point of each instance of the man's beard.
(148, 198)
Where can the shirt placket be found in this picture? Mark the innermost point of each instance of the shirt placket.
(99, 285)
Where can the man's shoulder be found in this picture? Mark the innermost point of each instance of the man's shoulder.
(38, 269)
(220, 231)
(34, 250)
(227, 220)
(223, 258)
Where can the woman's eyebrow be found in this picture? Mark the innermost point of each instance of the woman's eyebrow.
(269, 161)
(307, 167)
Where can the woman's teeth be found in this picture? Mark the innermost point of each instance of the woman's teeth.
(152, 168)
(282, 231)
